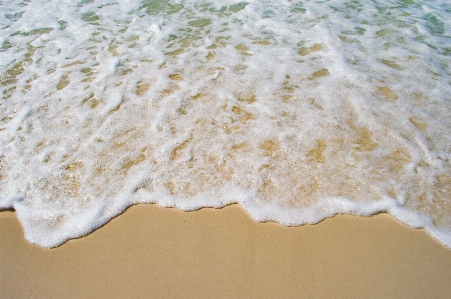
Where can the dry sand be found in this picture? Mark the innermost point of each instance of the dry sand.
(150, 252)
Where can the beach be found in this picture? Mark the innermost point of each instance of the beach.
(151, 252)
(257, 149)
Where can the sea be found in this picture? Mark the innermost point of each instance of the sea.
(295, 110)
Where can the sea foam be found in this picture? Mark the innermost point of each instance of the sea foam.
(296, 110)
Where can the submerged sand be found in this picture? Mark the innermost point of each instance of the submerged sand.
(150, 252)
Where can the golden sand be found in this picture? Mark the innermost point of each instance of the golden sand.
(150, 252)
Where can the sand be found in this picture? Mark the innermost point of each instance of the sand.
(150, 252)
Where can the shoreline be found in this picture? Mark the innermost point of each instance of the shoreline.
(224, 253)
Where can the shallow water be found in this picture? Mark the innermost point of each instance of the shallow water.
(297, 110)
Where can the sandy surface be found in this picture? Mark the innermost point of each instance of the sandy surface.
(150, 252)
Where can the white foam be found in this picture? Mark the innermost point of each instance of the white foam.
(295, 110)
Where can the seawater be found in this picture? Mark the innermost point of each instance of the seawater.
(296, 110)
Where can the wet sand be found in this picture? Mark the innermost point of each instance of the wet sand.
(150, 252)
